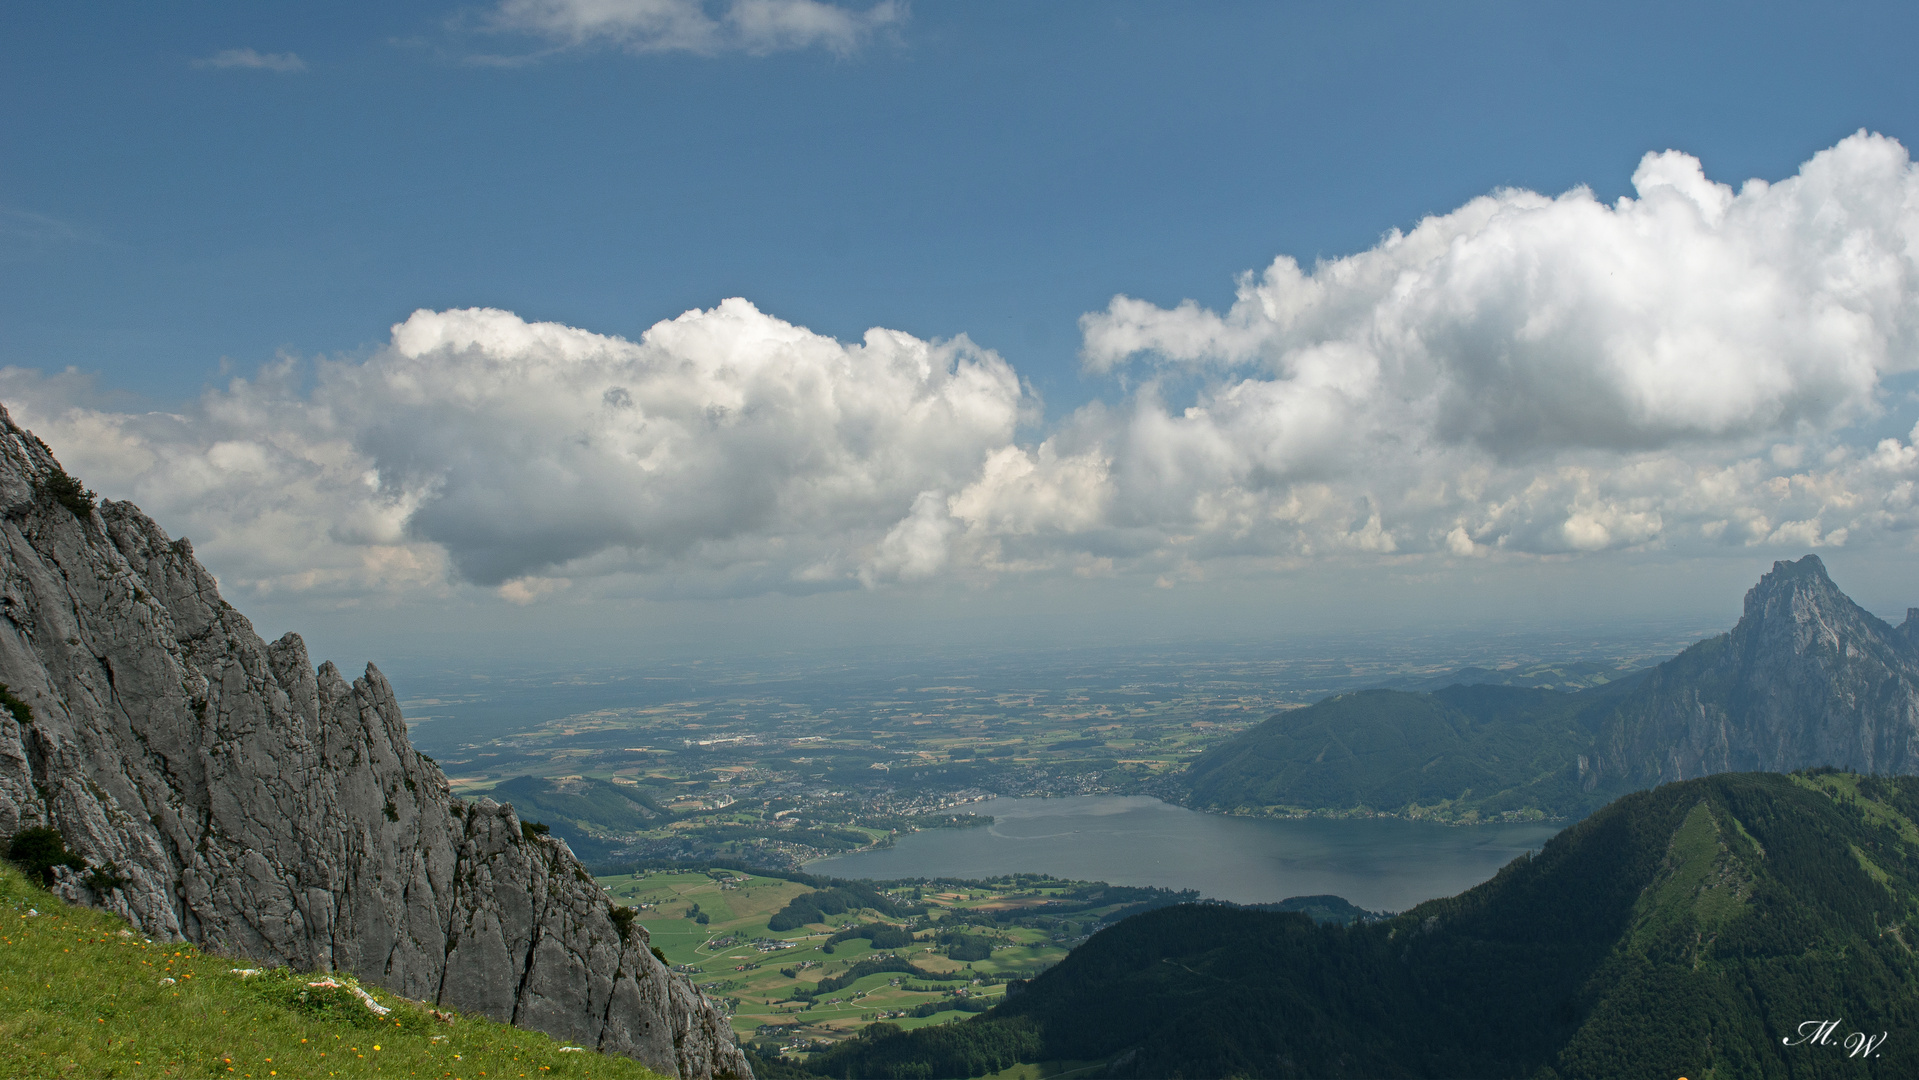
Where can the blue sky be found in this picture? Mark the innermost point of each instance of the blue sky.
(989, 169)
(190, 192)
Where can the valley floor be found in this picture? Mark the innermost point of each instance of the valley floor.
(755, 971)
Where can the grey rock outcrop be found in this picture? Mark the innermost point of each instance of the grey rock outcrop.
(1807, 678)
(255, 805)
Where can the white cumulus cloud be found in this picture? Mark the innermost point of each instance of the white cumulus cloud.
(1541, 373)
(1688, 369)
(724, 449)
(1520, 323)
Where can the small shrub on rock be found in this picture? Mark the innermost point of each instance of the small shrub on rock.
(37, 851)
(69, 493)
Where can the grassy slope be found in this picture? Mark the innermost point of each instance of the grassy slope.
(82, 995)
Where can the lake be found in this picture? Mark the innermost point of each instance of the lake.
(1382, 864)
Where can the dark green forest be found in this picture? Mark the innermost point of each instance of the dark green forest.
(1686, 930)
(1461, 753)
(836, 899)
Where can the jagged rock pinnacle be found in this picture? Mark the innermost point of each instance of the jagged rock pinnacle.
(1806, 678)
(254, 804)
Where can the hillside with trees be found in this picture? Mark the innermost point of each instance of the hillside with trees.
(1703, 927)
(1461, 753)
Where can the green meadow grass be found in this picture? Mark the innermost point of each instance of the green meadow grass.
(82, 994)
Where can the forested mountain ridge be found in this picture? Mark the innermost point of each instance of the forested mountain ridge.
(1807, 678)
(1566, 676)
(1465, 752)
(1694, 929)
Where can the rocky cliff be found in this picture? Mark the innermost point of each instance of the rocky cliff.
(231, 795)
(1806, 678)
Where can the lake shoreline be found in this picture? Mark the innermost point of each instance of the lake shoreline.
(1376, 861)
(1363, 814)
(1433, 815)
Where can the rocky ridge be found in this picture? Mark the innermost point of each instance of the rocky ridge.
(1806, 678)
(228, 793)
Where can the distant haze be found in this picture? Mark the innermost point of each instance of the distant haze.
(1596, 608)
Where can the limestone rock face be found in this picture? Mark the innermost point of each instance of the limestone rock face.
(1806, 678)
(255, 805)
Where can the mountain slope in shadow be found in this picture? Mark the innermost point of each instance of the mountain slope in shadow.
(1697, 928)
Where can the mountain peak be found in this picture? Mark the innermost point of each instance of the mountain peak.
(1796, 609)
(1810, 566)
(1807, 678)
(1806, 577)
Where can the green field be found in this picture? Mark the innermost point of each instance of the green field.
(756, 971)
(82, 994)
